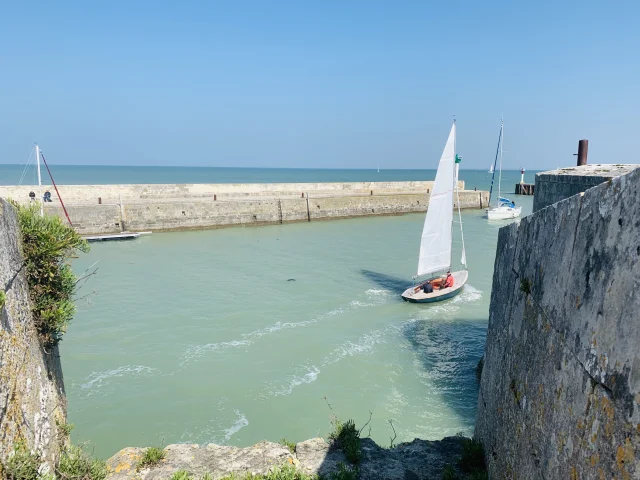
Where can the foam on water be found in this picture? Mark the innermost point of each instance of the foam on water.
(468, 294)
(364, 345)
(311, 375)
(196, 351)
(193, 352)
(379, 292)
(97, 379)
(239, 424)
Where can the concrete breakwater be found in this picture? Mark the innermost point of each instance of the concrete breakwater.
(101, 209)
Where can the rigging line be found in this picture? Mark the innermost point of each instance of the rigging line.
(24, 170)
(56, 187)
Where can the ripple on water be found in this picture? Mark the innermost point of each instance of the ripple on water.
(306, 374)
(97, 379)
(238, 425)
(193, 352)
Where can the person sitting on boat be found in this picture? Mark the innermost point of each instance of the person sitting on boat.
(448, 281)
(427, 287)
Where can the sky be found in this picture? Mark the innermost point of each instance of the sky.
(324, 84)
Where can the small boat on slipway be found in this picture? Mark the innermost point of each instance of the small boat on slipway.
(435, 246)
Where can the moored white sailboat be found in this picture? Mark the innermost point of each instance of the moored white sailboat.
(505, 208)
(435, 246)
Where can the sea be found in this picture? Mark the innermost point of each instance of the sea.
(238, 335)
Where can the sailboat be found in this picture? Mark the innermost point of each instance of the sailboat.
(504, 208)
(435, 246)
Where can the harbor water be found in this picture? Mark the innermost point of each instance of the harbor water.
(238, 335)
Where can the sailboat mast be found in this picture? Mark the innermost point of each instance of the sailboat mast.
(500, 174)
(463, 257)
(39, 181)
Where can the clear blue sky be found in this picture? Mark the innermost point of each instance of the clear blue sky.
(318, 84)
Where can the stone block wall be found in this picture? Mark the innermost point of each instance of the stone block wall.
(556, 185)
(194, 213)
(32, 397)
(560, 390)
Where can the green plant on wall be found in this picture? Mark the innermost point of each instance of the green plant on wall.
(3, 298)
(48, 246)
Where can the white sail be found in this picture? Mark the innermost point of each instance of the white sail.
(435, 247)
(491, 168)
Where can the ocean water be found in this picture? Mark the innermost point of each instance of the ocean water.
(104, 175)
(237, 335)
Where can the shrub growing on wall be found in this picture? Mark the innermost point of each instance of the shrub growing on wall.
(48, 245)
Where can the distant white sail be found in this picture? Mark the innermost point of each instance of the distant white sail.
(435, 247)
(491, 168)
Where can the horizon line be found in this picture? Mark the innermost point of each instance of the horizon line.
(264, 168)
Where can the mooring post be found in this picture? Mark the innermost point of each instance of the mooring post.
(583, 149)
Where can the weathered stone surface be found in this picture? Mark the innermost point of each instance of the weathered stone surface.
(32, 397)
(317, 457)
(417, 460)
(556, 185)
(560, 389)
(218, 461)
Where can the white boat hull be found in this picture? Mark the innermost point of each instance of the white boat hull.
(503, 213)
(415, 294)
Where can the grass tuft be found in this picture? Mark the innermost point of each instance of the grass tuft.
(290, 445)
(22, 464)
(346, 437)
(152, 456)
(181, 475)
(288, 472)
(75, 464)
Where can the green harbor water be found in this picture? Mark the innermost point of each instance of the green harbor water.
(237, 335)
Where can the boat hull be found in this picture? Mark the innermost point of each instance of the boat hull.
(503, 213)
(459, 280)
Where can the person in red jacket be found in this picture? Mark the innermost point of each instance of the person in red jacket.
(448, 281)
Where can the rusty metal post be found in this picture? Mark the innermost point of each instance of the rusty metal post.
(583, 149)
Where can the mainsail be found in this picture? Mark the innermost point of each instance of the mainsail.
(435, 247)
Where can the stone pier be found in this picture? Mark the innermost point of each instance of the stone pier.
(102, 209)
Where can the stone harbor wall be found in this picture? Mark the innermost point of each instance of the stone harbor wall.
(556, 185)
(103, 209)
(560, 390)
(417, 460)
(32, 397)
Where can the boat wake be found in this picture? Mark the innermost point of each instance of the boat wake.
(193, 352)
(196, 351)
(238, 425)
(363, 346)
(306, 374)
(297, 379)
(469, 294)
(98, 379)
(215, 431)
